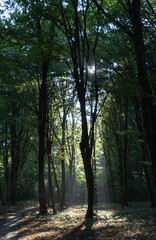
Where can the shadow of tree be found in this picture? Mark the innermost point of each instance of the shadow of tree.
(107, 232)
(59, 228)
(83, 231)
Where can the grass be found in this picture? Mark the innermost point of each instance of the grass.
(134, 210)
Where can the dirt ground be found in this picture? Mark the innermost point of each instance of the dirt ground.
(24, 222)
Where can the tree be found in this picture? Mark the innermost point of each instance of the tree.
(79, 46)
(146, 93)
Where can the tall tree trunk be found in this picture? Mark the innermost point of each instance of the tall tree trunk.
(106, 139)
(5, 157)
(79, 49)
(108, 185)
(125, 155)
(149, 185)
(94, 166)
(63, 159)
(121, 178)
(50, 184)
(89, 179)
(111, 176)
(86, 156)
(50, 187)
(144, 151)
(1, 196)
(56, 181)
(41, 133)
(148, 111)
(14, 163)
(72, 164)
(148, 107)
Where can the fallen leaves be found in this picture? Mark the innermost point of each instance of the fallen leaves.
(71, 224)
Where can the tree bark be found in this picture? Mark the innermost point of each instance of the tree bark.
(86, 156)
(79, 49)
(139, 123)
(41, 133)
(72, 164)
(14, 163)
(50, 187)
(148, 107)
(125, 153)
(56, 181)
(5, 157)
(1, 196)
(63, 158)
(109, 164)
(149, 185)
(148, 110)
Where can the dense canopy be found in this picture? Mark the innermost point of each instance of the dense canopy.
(78, 102)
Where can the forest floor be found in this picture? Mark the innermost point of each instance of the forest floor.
(137, 222)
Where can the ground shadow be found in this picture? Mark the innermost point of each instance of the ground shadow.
(83, 231)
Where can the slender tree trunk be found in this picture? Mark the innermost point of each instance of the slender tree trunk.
(106, 149)
(89, 180)
(125, 155)
(144, 152)
(51, 201)
(86, 156)
(148, 107)
(108, 185)
(5, 157)
(72, 180)
(50, 184)
(63, 160)
(72, 170)
(56, 181)
(14, 163)
(1, 196)
(111, 177)
(121, 169)
(79, 49)
(41, 132)
(50, 187)
(149, 186)
(121, 181)
(94, 166)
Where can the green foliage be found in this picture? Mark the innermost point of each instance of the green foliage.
(25, 45)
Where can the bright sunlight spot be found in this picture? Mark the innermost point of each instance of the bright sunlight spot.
(91, 69)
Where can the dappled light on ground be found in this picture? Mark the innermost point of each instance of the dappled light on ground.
(71, 224)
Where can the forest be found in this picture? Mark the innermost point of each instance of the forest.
(78, 106)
